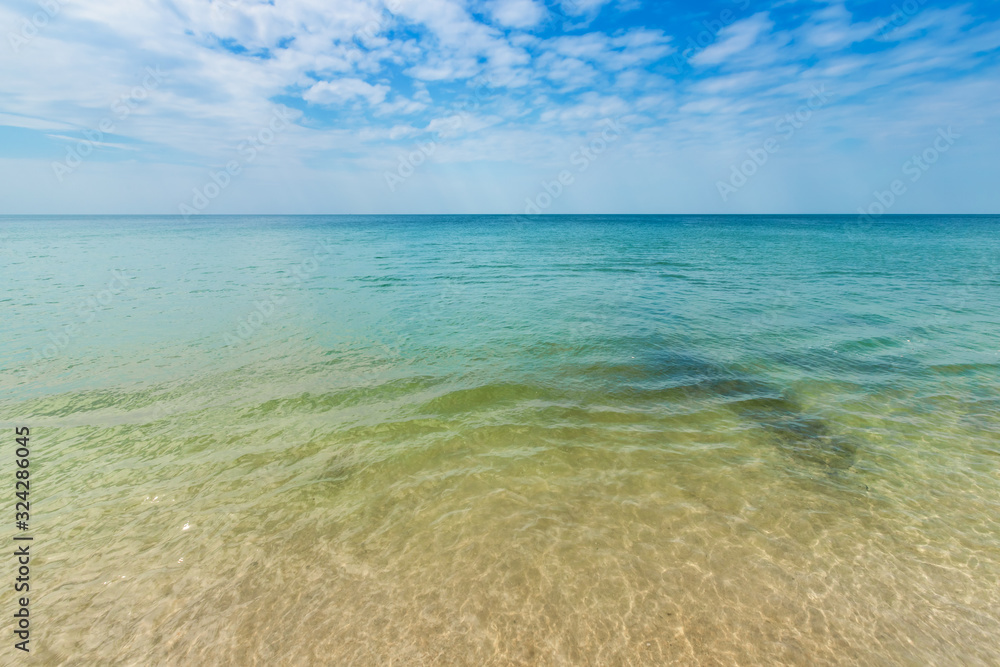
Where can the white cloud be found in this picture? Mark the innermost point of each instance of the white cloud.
(444, 69)
(568, 73)
(592, 106)
(14, 120)
(401, 105)
(638, 47)
(734, 39)
(455, 125)
(582, 7)
(634, 48)
(340, 91)
(517, 13)
(102, 144)
(899, 26)
(588, 47)
(225, 63)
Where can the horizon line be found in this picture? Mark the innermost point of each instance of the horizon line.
(496, 215)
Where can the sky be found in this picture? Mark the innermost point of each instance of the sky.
(198, 107)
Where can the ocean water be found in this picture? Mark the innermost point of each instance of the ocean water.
(489, 441)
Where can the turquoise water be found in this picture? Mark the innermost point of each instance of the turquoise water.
(484, 441)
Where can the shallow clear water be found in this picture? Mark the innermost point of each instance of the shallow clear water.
(477, 441)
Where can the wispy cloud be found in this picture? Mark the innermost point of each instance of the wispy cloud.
(735, 39)
(502, 85)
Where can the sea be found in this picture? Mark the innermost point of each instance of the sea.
(490, 440)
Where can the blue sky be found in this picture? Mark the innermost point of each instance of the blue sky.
(501, 106)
